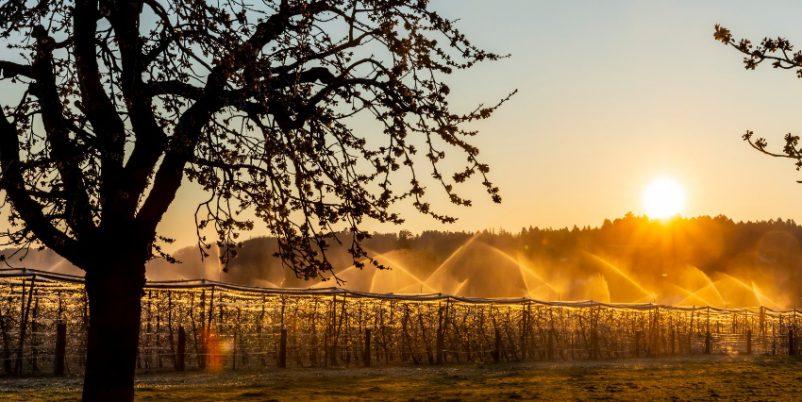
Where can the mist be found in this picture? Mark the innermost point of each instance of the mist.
(685, 261)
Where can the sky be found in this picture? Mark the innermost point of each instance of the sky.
(613, 94)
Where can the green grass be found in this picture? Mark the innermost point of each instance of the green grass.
(703, 378)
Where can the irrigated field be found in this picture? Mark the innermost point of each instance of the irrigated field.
(697, 378)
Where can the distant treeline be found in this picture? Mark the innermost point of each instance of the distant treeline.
(765, 252)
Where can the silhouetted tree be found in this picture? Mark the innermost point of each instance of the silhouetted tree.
(256, 102)
(405, 239)
(780, 53)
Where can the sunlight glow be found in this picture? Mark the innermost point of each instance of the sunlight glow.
(663, 198)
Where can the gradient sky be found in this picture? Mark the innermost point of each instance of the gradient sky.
(611, 95)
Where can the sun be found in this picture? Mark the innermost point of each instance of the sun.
(663, 198)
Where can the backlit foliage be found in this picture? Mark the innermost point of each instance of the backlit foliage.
(269, 106)
(780, 53)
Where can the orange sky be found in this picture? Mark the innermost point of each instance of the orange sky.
(612, 95)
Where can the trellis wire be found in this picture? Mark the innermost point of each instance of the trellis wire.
(231, 327)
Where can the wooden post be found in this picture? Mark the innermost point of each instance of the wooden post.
(791, 342)
(525, 331)
(446, 317)
(200, 345)
(366, 350)
(159, 354)
(594, 336)
(234, 352)
(497, 349)
(259, 328)
(25, 308)
(773, 340)
(181, 350)
(405, 338)
(333, 332)
(34, 329)
(211, 310)
(6, 341)
(61, 348)
(439, 340)
(708, 343)
(749, 342)
(282, 349)
(170, 335)
(673, 339)
(237, 339)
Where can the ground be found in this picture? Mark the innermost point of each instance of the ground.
(698, 378)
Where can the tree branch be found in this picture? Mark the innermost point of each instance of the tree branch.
(63, 148)
(187, 131)
(11, 180)
(99, 109)
(9, 69)
(150, 137)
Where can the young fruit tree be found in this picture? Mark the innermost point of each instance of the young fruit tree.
(312, 116)
(780, 53)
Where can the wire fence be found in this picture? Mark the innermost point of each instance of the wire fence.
(218, 326)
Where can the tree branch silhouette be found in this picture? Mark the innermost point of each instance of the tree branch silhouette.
(306, 115)
(781, 54)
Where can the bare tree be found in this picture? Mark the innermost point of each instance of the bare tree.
(255, 101)
(779, 52)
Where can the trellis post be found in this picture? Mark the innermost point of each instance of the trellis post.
(181, 350)
(333, 331)
(366, 350)
(170, 337)
(550, 339)
(25, 308)
(444, 332)
(708, 337)
(61, 348)
(594, 336)
(282, 349)
(34, 329)
(525, 330)
(497, 348)
(439, 340)
(201, 346)
(749, 342)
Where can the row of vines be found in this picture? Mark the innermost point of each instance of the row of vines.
(215, 326)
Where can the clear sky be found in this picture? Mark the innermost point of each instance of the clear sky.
(611, 95)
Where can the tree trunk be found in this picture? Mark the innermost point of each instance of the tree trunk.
(115, 293)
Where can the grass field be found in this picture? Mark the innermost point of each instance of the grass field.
(703, 378)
